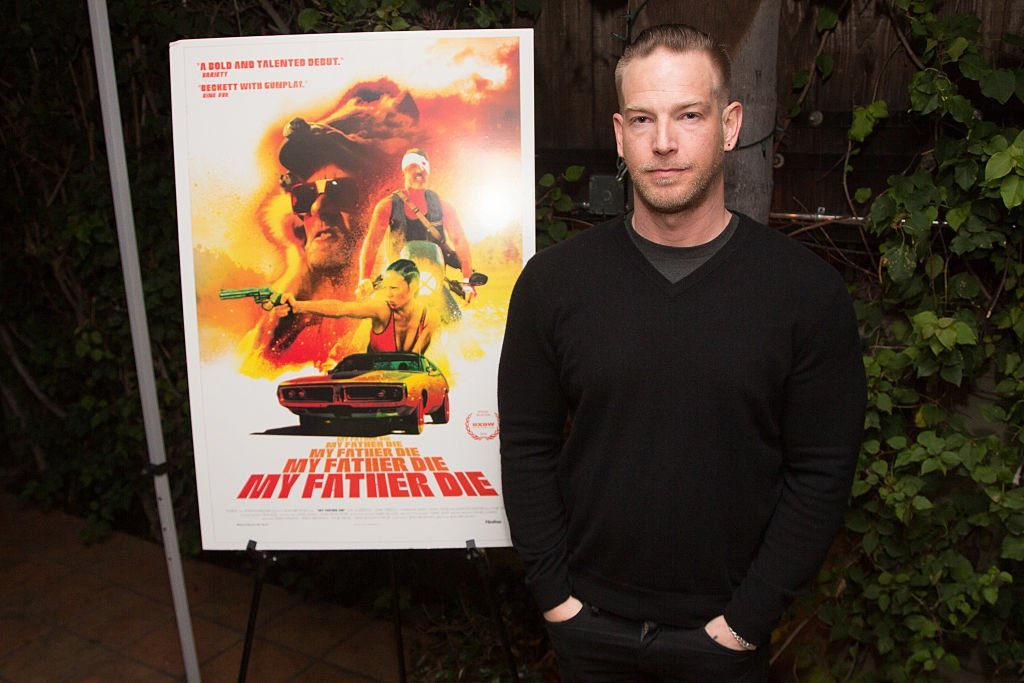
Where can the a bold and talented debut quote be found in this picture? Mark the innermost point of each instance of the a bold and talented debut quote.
(366, 468)
(217, 75)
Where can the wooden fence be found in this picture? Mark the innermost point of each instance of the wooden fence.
(578, 43)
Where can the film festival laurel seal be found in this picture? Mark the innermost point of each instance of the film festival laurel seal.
(482, 425)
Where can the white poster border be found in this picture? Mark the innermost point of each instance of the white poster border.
(226, 443)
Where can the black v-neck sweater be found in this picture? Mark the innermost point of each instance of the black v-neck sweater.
(715, 425)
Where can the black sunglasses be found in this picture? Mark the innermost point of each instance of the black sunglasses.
(340, 191)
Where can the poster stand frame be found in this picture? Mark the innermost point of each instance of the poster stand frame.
(262, 559)
(475, 555)
(110, 109)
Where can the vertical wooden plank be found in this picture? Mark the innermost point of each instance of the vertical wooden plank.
(749, 30)
(748, 168)
(998, 17)
(606, 24)
(564, 51)
(576, 56)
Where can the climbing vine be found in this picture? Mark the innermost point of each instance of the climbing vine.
(402, 15)
(927, 574)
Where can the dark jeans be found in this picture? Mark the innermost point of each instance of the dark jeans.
(595, 646)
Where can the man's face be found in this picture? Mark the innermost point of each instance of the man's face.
(416, 177)
(673, 130)
(329, 238)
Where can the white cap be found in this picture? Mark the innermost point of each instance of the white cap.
(415, 159)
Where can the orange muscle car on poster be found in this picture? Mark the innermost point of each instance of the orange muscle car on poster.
(393, 389)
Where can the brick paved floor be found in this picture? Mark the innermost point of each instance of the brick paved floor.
(71, 611)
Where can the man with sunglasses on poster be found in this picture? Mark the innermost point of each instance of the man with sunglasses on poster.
(682, 398)
(324, 206)
(327, 177)
(324, 203)
(415, 213)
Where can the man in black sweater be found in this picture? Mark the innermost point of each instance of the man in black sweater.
(709, 372)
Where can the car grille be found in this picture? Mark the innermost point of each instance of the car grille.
(373, 393)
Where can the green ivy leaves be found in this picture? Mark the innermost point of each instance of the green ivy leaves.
(945, 332)
(403, 15)
(827, 19)
(1005, 171)
(938, 505)
(865, 118)
(998, 84)
(554, 204)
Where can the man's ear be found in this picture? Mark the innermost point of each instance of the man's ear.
(732, 121)
(617, 125)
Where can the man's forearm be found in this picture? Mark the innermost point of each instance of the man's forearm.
(795, 543)
(367, 257)
(457, 236)
(374, 237)
(823, 418)
(532, 411)
(536, 517)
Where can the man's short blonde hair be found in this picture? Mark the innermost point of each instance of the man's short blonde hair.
(678, 38)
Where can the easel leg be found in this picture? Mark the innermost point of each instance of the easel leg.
(477, 556)
(250, 629)
(396, 612)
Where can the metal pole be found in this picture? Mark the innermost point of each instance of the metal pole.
(254, 607)
(100, 23)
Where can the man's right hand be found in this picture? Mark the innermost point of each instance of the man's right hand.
(565, 611)
(286, 304)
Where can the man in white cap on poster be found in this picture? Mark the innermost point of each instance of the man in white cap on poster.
(414, 213)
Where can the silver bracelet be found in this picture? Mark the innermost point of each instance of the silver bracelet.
(746, 645)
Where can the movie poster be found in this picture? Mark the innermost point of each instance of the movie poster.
(353, 211)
